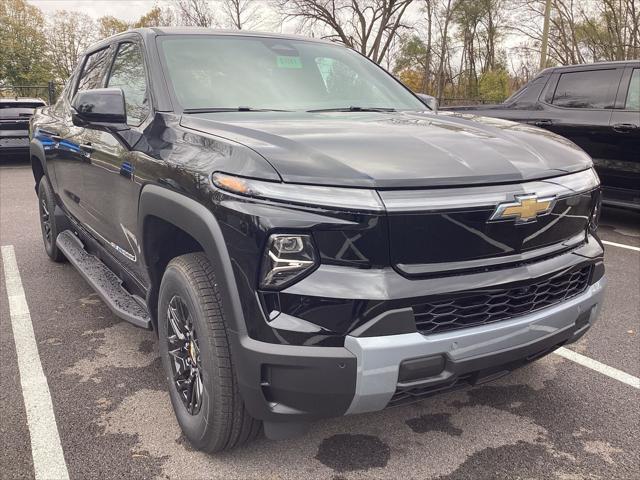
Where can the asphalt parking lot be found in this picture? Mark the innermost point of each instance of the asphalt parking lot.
(553, 419)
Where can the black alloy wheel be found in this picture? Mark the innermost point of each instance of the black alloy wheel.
(185, 352)
(46, 209)
(45, 218)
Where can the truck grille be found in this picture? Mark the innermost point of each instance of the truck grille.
(487, 306)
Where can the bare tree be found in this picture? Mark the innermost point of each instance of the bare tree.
(367, 26)
(194, 13)
(583, 31)
(68, 35)
(429, 12)
(446, 13)
(242, 14)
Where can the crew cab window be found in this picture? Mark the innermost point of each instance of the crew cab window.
(633, 95)
(529, 93)
(92, 75)
(128, 74)
(589, 89)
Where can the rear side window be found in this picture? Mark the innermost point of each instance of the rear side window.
(633, 95)
(530, 92)
(590, 89)
(128, 74)
(92, 75)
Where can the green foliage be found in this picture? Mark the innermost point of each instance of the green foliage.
(411, 63)
(412, 55)
(22, 42)
(69, 34)
(110, 25)
(156, 17)
(493, 85)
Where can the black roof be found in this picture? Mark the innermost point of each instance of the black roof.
(616, 63)
(163, 31)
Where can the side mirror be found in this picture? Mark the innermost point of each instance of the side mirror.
(100, 108)
(429, 101)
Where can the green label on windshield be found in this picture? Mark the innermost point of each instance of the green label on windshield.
(289, 62)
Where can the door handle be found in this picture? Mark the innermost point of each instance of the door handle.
(86, 147)
(624, 127)
(543, 123)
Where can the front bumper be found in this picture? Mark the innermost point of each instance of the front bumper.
(300, 383)
(478, 353)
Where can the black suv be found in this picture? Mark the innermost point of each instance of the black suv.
(14, 124)
(597, 106)
(305, 236)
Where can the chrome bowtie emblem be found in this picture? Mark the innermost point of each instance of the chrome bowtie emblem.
(526, 208)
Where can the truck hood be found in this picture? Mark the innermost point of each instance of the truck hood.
(395, 150)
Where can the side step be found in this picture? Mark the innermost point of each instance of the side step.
(106, 283)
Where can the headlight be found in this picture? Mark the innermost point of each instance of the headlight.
(286, 258)
(360, 199)
(594, 219)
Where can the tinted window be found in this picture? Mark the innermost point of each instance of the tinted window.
(128, 74)
(281, 74)
(633, 95)
(590, 89)
(529, 93)
(93, 72)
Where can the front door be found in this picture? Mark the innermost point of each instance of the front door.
(69, 155)
(110, 190)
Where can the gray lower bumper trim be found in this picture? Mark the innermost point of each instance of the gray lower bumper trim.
(378, 358)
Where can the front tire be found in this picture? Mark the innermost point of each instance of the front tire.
(196, 357)
(46, 209)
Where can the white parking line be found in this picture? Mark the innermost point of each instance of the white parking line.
(621, 245)
(599, 367)
(46, 450)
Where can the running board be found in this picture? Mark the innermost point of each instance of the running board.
(106, 283)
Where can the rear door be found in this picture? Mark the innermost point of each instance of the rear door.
(577, 104)
(621, 173)
(110, 191)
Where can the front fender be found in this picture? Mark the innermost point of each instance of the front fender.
(39, 163)
(199, 222)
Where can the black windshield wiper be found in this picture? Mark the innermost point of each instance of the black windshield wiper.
(353, 109)
(231, 109)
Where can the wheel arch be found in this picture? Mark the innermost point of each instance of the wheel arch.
(161, 208)
(38, 159)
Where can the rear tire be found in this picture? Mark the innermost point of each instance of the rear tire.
(194, 347)
(46, 209)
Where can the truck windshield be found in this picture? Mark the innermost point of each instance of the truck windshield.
(256, 73)
(18, 109)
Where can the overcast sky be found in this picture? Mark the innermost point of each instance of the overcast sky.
(124, 9)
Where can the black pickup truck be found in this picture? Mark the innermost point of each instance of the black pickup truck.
(14, 124)
(597, 106)
(307, 238)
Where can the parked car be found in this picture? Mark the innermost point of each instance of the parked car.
(597, 106)
(305, 236)
(14, 124)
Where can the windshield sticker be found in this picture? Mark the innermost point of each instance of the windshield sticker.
(288, 62)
